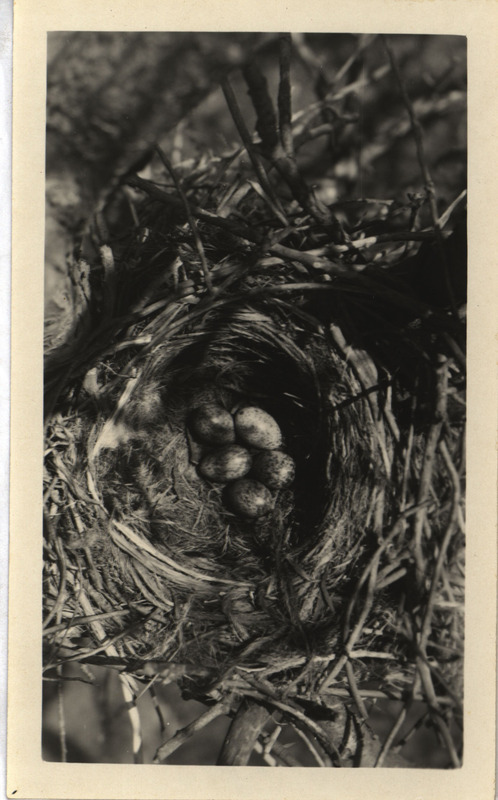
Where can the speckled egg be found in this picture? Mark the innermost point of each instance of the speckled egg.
(274, 468)
(249, 498)
(256, 428)
(226, 464)
(212, 424)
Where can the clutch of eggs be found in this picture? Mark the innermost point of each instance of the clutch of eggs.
(250, 475)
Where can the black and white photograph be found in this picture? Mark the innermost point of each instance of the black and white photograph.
(256, 455)
(255, 394)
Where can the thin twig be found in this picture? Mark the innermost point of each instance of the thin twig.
(267, 756)
(266, 124)
(193, 226)
(389, 741)
(444, 218)
(241, 231)
(271, 197)
(61, 553)
(411, 732)
(449, 533)
(313, 750)
(284, 96)
(127, 683)
(355, 692)
(312, 726)
(391, 737)
(365, 40)
(425, 482)
(106, 642)
(418, 135)
(184, 734)
(372, 567)
(246, 728)
(426, 679)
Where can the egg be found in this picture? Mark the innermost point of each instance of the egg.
(212, 424)
(249, 498)
(258, 429)
(226, 464)
(274, 468)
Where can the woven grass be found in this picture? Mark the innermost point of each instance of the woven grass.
(350, 591)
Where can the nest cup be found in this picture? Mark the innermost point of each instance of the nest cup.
(168, 539)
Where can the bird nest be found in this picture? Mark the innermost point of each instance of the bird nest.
(350, 590)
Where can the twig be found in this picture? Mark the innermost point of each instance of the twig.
(391, 737)
(61, 592)
(271, 738)
(411, 731)
(77, 621)
(246, 728)
(267, 756)
(184, 734)
(127, 683)
(392, 577)
(243, 232)
(426, 679)
(381, 238)
(312, 726)
(407, 459)
(418, 135)
(365, 40)
(266, 124)
(355, 692)
(450, 530)
(284, 96)
(302, 117)
(105, 641)
(422, 663)
(313, 750)
(266, 693)
(371, 568)
(193, 226)
(371, 654)
(271, 197)
(444, 218)
(428, 467)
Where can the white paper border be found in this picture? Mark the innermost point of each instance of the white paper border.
(27, 774)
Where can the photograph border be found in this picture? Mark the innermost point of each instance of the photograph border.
(28, 776)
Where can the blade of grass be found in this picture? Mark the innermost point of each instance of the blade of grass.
(193, 226)
(271, 198)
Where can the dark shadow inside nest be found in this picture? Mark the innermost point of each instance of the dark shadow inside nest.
(246, 357)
